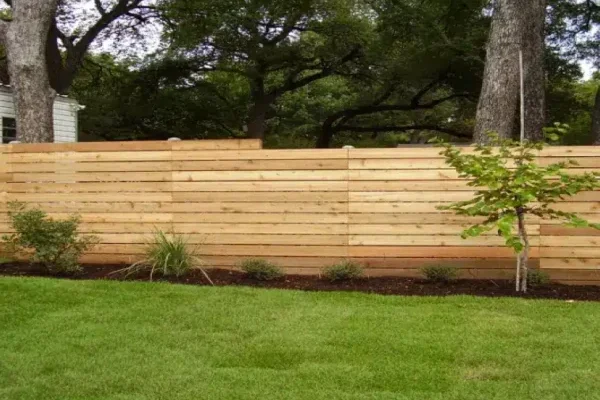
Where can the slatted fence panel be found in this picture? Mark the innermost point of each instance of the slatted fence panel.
(573, 254)
(396, 227)
(302, 209)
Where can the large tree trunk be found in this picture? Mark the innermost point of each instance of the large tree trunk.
(261, 103)
(596, 119)
(257, 118)
(534, 70)
(25, 41)
(327, 132)
(516, 24)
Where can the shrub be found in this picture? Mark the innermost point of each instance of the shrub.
(261, 270)
(343, 271)
(56, 244)
(535, 277)
(168, 256)
(439, 273)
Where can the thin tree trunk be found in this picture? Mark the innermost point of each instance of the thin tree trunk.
(524, 254)
(534, 74)
(25, 41)
(596, 119)
(497, 107)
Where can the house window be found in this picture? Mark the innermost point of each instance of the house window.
(9, 130)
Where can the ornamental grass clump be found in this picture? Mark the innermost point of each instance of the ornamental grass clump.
(167, 255)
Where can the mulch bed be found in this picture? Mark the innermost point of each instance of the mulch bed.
(379, 285)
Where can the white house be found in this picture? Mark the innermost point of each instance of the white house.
(65, 117)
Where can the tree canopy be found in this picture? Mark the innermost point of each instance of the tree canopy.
(305, 73)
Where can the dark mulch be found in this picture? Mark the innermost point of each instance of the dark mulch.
(380, 285)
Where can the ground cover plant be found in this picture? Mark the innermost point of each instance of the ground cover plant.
(343, 271)
(63, 339)
(261, 270)
(439, 273)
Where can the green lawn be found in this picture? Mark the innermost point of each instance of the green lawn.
(107, 340)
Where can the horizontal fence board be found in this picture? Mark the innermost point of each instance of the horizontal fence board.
(93, 177)
(100, 207)
(222, 144)
(233, 239)
(398, 163)
(569, 252)
(264, 186)
(221, 176)
(571, 263)
(414, 185)
(262, 228)
(260, 165)
(410, 196)
(420, 229)
(429, 240)
(435, 251)
(403, 175)
(88, 187)
(95, 156)
(558, 230)
(570, 241)
(396, 208)
(260, 207)
(91, 197)
(74, 166)
(258, 218)
(227, 144)
(260, 196)
(410, 218)
(299, 154)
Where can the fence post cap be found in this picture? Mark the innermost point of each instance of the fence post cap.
(347, 147)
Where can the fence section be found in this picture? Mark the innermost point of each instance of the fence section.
(302, 209)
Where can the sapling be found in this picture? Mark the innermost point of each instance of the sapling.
(511, 185)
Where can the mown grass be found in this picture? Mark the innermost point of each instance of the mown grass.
(64, 339)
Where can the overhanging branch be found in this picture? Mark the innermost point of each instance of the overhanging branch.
(403, 128)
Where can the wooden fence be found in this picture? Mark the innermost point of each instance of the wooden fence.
(302, 209)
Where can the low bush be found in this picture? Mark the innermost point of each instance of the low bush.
(56, 244)
(535, 277)
(343, 271)
(260, 269)
(439, 273)
(167, 255)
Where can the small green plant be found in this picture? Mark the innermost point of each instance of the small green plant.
(439, 273)
(511, 186)
(56, 244)
(168, 255)
(537, 278)
(343, 271)
(260, 269)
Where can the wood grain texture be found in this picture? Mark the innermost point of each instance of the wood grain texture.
(302, 209)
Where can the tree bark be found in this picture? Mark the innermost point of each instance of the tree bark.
(497, 107)
(596, 119)
(25, 40)
(534, 76)
(257, 117)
